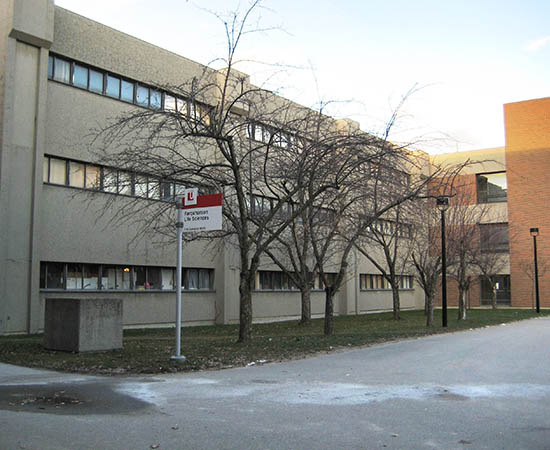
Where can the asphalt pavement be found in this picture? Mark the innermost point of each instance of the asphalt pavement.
(479, 389)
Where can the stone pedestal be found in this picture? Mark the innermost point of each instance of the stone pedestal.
(83, 324)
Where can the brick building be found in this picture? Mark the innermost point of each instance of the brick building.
(511, 183)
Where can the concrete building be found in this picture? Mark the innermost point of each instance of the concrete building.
(60, 75)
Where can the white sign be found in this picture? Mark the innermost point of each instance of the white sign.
(203, 214)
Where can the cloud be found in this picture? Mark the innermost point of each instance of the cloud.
(537, 44)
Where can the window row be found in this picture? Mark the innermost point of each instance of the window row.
(76, 276)
(390, 227)
(378, 281)
(268, 135)
(273, 280)
(110, 85)
(89, 176)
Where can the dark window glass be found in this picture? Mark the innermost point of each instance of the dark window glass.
(205, 281)
(494, 237)
(55, 276)
(127, 91)
(74, 276)
(154, 278)
(491, 187)
(166, 190)
(96, 81)
(502, 284)
(80, 76)
(113, 86)
(140, 277)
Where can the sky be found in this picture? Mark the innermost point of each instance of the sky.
(462, 59)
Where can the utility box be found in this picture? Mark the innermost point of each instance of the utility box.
(83, 324)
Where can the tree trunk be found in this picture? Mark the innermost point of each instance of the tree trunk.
(461, 304)
(306, 306)
(426, 304)
(430, 310)
(494, 297)
(245, 311)
(329, 311)
(396, 303)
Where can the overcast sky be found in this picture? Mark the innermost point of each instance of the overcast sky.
(468, 57)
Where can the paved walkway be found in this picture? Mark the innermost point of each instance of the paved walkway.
(479, 389)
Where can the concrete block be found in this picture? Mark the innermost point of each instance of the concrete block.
(83, 324)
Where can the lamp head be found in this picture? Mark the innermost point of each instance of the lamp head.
(442, 203)
(534, 232)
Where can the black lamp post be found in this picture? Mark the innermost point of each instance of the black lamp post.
(442, 204)
(535, 232)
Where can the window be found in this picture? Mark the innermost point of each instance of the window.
(62, 70)
(194, 279)
(76, 174)
(80, 76)
(156, 99)
(113, 87)
(54, 277)
(166, 190)
(142, 96)
(169, 102)
(124, 183)
(503, 290)
(491, 187)
(110, 180)
(93, 177)
(140, 186)
(90, 276)
(58, 171)
(96, 81)
(127, 91)
(115, 277)
(494, 237)
(378, 281)
(74, 276)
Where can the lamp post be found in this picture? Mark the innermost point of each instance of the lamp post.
(535, 232)
(443, 204)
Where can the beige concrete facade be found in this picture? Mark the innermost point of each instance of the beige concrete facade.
(49, 223)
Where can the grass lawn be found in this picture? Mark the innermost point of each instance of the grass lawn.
(215, 347)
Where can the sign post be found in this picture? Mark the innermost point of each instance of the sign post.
(195, 213)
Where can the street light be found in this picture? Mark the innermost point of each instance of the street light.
(443, 204)
(535, 232)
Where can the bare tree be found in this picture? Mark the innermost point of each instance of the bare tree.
(528, 268)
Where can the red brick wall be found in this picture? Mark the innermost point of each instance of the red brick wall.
(528, 175)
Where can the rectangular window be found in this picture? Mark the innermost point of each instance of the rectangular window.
(96, 81)
(93, 177)
(110, 180)
(90, 276)
(127, 91)
(74, 276)
(274, 280)
(197, 279)
(182, 106)
(76, 174)
(192, 279)
(140, 186)
(62, 70)
(167, 279)
(55, 275)
(58, 171)
(169, 102)
(124, 183)
(494, 237)
(142, 96)
(166, 190)
(156, 99)
(153, 278)
(50, 67)
(113, 87)
(115, 277)
(80, 76)
(140, 278)
(491, 187)
(153, 189)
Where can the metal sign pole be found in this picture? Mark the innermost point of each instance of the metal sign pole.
(179, 225)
